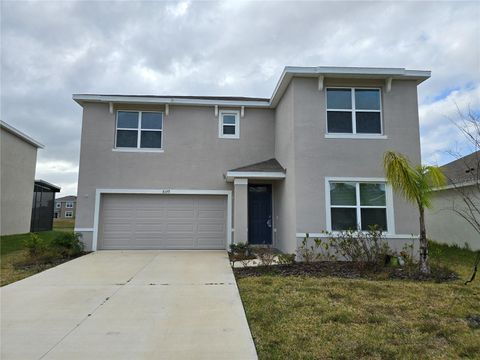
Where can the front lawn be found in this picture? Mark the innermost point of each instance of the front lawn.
(13, 252)
(63, 224)
(295, 317)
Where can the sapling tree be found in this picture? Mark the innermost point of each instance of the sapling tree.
(415, 183)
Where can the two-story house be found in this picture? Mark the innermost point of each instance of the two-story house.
(65, 207)
(200, 172)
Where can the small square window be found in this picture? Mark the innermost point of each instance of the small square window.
(69, 205)
(58, 205)
(68, 214)
(229, 124)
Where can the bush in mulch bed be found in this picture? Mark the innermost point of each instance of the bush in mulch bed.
(42, 253)
(349, 270)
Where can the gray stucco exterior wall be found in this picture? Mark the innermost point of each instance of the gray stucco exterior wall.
(194, 156)
(294, 132)
(18, 160)
(446, 226)
(284, 191)
(317, 157)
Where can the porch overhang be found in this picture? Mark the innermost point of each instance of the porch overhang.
(258, 175)
(264, 170)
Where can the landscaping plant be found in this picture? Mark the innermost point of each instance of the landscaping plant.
(366, 247)
(415, 184)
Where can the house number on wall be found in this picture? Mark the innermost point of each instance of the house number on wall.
(166, 191)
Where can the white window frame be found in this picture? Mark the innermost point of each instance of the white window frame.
(388, 202)
(58, 205)
(139, 132)
(69, 214)
(69, 205)
(353, 111)
(236, 113)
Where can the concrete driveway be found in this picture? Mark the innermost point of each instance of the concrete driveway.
(128, 305)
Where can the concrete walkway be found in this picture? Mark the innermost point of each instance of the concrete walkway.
(128, 305)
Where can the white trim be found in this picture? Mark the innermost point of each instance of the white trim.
(288, 73)
(388, 236)
(80, 98)
(388, 84)
(260, 175)
(167, 110)
(343, 72)
(240, 181)
(99, 192)
(242, 111)
(321, 78)
(235, 113)
(355, 136)
(142, 150)
(83, 229)
(69, 203)
(69, 212)
(21, 135)
(353, 111)
(139, 130)
(110, 107)
(455, 186)
(389, 206)
(58, 205)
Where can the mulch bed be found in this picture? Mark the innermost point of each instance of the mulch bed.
(348, 270)
(40, 265)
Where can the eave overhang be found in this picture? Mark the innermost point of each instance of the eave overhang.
(257, 175)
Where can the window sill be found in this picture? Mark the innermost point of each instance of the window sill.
(138, 150)
(356, 136)
(229, 137)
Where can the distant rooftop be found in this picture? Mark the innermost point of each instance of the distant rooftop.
(463, 170)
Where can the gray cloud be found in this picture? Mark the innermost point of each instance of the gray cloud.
(53, 49)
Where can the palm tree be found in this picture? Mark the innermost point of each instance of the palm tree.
(415, 184)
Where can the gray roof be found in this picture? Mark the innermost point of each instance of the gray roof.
(68, 198)
(271, 165)
(464, 169)
(20, 135)
(47, 185)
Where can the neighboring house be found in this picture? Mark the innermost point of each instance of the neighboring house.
(186, 172)
(443, 223)
(43, 206)
(17, 168)
(65, 207)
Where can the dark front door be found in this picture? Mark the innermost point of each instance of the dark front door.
(260, 214)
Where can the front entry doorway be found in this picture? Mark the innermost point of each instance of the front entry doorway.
(260, 214)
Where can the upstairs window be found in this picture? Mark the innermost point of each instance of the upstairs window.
(69, 205)
(58, 205)
(354, 111)
(139, 129)
(229, 124)
(357, 206)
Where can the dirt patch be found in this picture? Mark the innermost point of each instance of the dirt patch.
(348, 270)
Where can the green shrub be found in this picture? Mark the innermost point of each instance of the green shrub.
(266, 255)
(240, 248)
(67, 244)
(286, 259)
(36, 246)
(368, 247)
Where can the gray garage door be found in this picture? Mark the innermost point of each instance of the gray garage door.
(134, 221)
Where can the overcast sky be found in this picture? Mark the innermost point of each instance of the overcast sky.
(51, 50)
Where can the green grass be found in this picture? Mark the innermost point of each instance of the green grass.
(63, 224)
(13, 251)
(336, 318)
